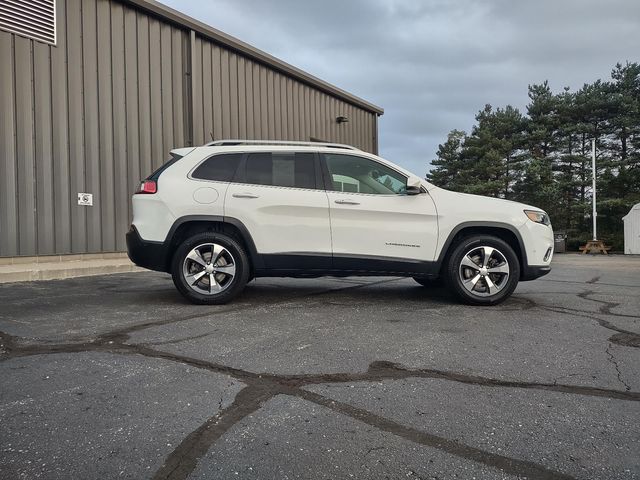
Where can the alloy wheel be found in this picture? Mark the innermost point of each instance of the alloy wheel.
(209, 268)
(484, 271)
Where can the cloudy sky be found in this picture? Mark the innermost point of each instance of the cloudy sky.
(432, 64)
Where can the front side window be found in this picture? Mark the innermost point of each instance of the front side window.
(220, 168)
(350, 173)
(281, 169)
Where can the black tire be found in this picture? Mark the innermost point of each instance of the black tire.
(430, 282)
(230, 285)
(454, 271)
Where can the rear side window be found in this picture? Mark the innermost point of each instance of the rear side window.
(282, 169)
(175, 156)
(220, 168)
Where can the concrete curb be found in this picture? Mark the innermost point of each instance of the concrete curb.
(29, 272)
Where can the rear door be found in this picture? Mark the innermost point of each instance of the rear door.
(375, 225)
(280, 198)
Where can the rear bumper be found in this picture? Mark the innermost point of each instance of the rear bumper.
(146, 254)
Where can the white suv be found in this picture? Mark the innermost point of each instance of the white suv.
(219, 215)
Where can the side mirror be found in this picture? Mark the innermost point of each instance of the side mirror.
(414, 186)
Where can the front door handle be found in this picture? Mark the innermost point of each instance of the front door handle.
(244, 195)
(347, 202)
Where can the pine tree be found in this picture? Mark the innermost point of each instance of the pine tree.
(544, 158)
(447, 166)
(567, 163)
(491, 155)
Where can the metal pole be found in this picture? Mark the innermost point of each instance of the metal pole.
(593, 184)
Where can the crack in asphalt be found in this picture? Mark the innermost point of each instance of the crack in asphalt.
(508, 465)
(613, 360)
(382, 370)
(630, 337)
(582, 283)
(121, 334)
(606, 305)
(183, 460)
(261, 387)
(625, 338)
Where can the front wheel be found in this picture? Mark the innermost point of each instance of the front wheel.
(482, 270)
(210, 268)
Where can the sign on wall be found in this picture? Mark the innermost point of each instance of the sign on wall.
(85, 199)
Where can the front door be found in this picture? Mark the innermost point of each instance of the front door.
(375, 225)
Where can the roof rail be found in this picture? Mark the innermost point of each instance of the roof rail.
(229, 143)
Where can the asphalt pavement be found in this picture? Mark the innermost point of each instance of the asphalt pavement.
(119, 377)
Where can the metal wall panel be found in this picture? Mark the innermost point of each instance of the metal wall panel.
(271, 114)
(257, 124)
(207, 94)
(242, 99)
(43, 148)
(166, 93)
(86, 222)
(8, 159)
(155, 92)
(250, 95)
(60, 141)
(224, 91)
(144, 95)
(101, 109)
(196, 90)
(179, 65)
(131, 105)
(215, 83)
(233, 97)
(106, 201)
(25, 139)
(119, 107)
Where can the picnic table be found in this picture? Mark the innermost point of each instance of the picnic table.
(595, 246)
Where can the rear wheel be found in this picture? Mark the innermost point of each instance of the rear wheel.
(482, 270)
(210, 268)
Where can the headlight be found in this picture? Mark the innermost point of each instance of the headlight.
(538, 217)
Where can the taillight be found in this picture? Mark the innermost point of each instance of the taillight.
(148, 186)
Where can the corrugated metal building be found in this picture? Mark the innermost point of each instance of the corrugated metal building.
(94, 93)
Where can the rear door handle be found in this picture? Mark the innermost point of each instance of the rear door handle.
(347, 202)
(245, 195)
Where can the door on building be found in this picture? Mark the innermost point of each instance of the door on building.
(373, 220)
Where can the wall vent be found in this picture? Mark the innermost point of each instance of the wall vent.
(34, 19)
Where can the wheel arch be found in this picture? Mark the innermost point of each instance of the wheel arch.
(189, 225)
(503, 231)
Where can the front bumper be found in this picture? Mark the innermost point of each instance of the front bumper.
(531, 273)
(146, 254)
(538, 244)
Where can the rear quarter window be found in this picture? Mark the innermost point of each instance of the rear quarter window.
(156, 174)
